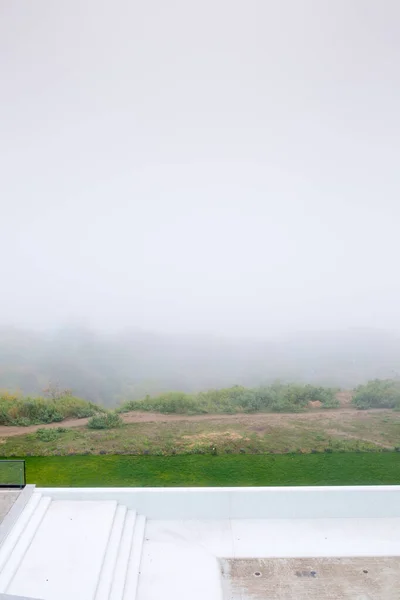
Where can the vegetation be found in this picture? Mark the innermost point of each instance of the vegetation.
(24, 411)
(274, 398)
(298, 433)
(378, 394)
(108, 368)
(17, 410)
(237, 470)
(277, 397)
(108, 420)
(49, 435)
(12, 473)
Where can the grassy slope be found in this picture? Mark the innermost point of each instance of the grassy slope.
(235, 470)
(247, 434)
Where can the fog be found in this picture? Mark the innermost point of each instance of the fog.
(109, 368)
(221, 168)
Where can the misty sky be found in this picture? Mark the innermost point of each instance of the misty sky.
(218, 166)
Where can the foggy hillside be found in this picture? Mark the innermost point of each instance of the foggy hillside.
(224, 174)
(108, 368)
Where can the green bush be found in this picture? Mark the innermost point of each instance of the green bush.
(23, 411)
(379, 393)
(274, 398)
(332, 402)
(22, 422)
(171, 402)
(72, 407)
(105, 421)
(47, 435)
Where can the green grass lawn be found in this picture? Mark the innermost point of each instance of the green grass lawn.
(11, 472)
(233, 470)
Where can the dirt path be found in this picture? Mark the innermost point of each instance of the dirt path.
(330, 416)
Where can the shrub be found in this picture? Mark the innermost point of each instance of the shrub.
(34, 410)
(25, 411)
(275, 398)
(171, 402)
(47, 435)
(379, 393)
(72, 407)
(105, 421)
(330, 402)
(22, 422)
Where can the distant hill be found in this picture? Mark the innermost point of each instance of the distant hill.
(108, 368)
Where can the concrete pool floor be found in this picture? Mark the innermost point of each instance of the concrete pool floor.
(197, 559)
(311, 578)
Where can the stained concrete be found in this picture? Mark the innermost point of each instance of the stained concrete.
(366, 578)
(7, 499)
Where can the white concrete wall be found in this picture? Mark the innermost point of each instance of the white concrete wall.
(247, 503)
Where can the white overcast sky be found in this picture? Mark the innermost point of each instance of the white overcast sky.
(215, 166)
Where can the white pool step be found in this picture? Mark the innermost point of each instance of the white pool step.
(87, 550)
(23, 542)
(111, 555)
(9, 543)
(120, 573)
(132, 577)
(66, 555)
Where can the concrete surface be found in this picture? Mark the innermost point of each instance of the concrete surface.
(7, 499)
(85, 550)
(123, 544)
(182, 556)
(246, 503)
(10, 518)
(65, 557)
(8, 597)
(311, 579)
